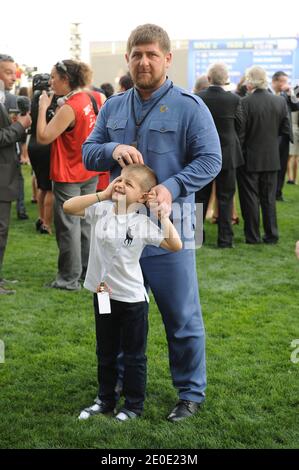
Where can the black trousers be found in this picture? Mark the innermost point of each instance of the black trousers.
(284, 148)
(5, 208)
(20, 203)
(225, 190)
(258, 189)
(125, 328)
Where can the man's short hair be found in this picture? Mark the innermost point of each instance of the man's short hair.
(149, 34)
(276, 76)
(6, 58)
(201, 83)
(218, 74)
(256, 76)
(147, 176)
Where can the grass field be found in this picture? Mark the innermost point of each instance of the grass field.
(250, 301)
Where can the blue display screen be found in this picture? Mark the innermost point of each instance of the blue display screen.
(272, 54)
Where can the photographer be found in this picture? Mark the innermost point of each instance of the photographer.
(11, 132)
(40, 158)
(16, 105)
(67, 131)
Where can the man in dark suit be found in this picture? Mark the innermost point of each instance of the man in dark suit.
(10, 133)
(265, 118)
(226, 110)
(280, 86)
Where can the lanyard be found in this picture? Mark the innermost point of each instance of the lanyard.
(140, 122)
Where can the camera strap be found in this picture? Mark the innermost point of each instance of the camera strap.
(94, 104)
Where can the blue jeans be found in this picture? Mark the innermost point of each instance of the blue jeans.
(173, 280)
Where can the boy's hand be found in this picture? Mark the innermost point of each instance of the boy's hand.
(160, 211)
(103, 287)
(107, 193)
(159, 201)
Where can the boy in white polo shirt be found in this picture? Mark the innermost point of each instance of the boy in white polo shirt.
(119, 232)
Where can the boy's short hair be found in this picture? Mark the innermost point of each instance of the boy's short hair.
(146, 175)
(149, 34)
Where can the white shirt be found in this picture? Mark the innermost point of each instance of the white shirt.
(116, 244)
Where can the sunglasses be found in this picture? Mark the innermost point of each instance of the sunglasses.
(62, 67)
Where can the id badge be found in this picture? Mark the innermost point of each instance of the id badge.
(104, 302)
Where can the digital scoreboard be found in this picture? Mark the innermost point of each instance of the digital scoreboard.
(272, 54)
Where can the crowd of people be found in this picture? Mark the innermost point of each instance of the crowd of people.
(165, 148)
(256, 125)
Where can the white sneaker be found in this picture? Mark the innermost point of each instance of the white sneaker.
(98, 408)
(88, 412)
(125, 415)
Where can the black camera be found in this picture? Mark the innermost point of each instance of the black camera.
(41, 83)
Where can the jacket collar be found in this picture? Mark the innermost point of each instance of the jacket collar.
(216, 89)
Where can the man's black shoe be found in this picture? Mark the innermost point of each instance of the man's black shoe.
(23, 216)
(182, 410)
(270, 241)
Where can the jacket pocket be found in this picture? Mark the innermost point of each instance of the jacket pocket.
(116, 129)
(162, 136)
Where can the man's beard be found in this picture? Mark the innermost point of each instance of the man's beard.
(147, 84)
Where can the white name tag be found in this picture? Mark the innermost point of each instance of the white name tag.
(104, 302)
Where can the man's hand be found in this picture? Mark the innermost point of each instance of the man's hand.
(159, 200)
(297, 249)
(25, 121)
(126, 155)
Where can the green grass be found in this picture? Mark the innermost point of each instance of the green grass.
(250, 300)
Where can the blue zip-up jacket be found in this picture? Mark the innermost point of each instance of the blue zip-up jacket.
(178, 139)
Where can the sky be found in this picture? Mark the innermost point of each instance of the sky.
(37, 33)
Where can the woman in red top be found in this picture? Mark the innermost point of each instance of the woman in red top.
(69, 128)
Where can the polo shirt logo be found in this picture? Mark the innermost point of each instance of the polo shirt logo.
(129, 237)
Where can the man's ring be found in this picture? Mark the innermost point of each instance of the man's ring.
(119, 158)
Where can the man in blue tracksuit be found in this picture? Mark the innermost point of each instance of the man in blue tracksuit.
(171, 131)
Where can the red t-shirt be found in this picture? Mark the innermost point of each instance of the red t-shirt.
(66, 151)
(103, 181)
